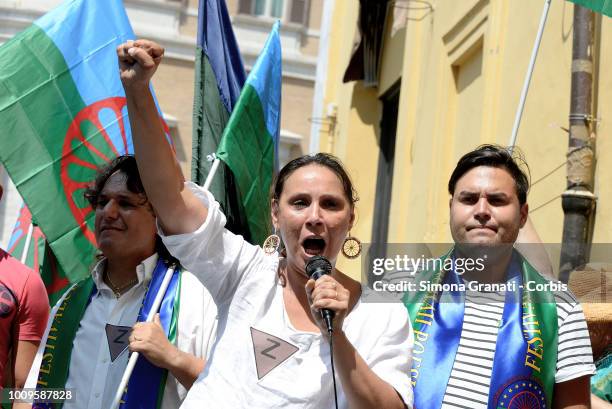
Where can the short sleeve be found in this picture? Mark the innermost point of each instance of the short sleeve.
(33, 309)
(574, 355)
(391, 356)
(217, 257)
(197, 329)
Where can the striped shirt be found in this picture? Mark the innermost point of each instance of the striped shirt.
(470, 378)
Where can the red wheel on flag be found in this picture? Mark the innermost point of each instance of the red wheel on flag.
(97, 135)
(18, 238)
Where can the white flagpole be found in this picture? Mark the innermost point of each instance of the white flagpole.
(534, 53)
(212, 172)
(158, 300)
(26, 246)
(134, 356)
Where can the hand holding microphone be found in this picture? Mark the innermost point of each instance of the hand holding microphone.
(328, 298)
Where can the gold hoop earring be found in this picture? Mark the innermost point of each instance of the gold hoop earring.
(272, 243)
(351, 247)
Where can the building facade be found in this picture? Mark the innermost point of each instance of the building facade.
(439, 78)
(173, 23)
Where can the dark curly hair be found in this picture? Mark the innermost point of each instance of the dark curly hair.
(126, 164)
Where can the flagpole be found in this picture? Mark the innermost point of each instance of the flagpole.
(26, 246)
(156, 304)
(534, 53)
(212, 171)
(134, 356)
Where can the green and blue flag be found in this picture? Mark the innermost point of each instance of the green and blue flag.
(64, 114)
(219, 77)
(249, 145)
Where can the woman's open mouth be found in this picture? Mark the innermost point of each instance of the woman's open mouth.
(313, 246)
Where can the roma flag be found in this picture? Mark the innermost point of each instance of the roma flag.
(219, 77)
(39, 256)
(599, 6)
(63, 111)
(249, 145)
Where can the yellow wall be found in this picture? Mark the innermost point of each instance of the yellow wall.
(354, 136)
(461, 68)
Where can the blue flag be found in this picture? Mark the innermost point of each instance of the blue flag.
(219, 79)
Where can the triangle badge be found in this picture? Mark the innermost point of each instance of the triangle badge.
(270, 351)
(117, 337)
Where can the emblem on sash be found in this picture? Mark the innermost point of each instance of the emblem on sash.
(522, 393)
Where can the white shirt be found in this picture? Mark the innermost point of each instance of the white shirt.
(245, 285)
(92, 375)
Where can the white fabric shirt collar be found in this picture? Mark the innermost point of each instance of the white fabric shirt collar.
(144, 272)
(93, 374)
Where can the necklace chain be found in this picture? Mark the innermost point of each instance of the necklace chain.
(120, 290)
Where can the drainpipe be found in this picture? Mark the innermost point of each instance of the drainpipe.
(578, 200)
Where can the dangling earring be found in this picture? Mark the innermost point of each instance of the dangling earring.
(272, 243)
(351, 247)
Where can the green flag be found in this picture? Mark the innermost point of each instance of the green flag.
(249, 145)
(599, 6)
(219, 78)
(63, 114)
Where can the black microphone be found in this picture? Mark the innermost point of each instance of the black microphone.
(316, 267)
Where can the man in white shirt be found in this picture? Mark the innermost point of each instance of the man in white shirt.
(92, 327)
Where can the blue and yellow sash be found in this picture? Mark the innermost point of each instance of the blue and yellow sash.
(526, 348)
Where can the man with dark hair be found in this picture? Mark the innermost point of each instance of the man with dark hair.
(101, 317)
(494, 342)
(24, 309)
(495, 157)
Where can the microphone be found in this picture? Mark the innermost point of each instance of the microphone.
(316, 267)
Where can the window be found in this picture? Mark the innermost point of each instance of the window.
(468, 100)
(299, 12)
(384, 178)
(293, 11)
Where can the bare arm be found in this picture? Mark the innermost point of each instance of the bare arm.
(177, 209)
(362, 387)
(186, 367)
(530, 245)
(23, 357)
(598, 403)
(150, 340)
(22, 361)
(574, 394)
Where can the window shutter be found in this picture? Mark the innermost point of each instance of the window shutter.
(299, 11)
(245, 7)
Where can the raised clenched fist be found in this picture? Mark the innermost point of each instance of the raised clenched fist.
(138, 61)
